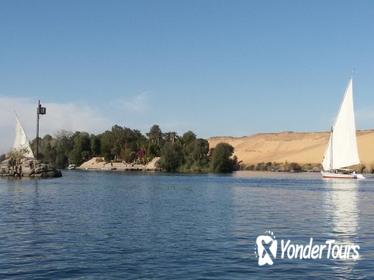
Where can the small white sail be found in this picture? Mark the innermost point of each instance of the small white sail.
(21, 142)
(327, 162)
(342, 147)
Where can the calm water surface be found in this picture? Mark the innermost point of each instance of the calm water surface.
(92, 225)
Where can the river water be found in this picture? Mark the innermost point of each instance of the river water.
(98, 225)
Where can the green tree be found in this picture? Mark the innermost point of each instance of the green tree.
(155, 141)
(188, 141)
(155, 134)
(199, 153)
(171, 157)
(81, 148)
(64, 145)
(171, 137)
(106, 145)
(95, 145)
(188, 137)
(118, 140)
(221, 161)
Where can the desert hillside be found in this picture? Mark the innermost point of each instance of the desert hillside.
(300, 147)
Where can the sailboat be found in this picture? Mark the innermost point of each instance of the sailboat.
(21, 161)
(21, 142)
(341, 151)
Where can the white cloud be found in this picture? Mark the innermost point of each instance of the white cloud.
(68, 116)
(134, 112)
(136, 104)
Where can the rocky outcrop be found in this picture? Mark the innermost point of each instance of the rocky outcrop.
(27, 167)
(98, 163)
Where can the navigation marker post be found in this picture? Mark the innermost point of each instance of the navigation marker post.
(39, 111)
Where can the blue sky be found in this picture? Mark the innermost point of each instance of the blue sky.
(215, 67)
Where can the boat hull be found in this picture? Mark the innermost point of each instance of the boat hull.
(333, 175)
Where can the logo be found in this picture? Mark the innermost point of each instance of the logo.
(267, 247)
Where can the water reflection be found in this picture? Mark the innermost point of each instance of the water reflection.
(342, 211)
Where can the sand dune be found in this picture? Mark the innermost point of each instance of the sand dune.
(300, 147)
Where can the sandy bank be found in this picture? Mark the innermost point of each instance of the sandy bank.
(300, 147)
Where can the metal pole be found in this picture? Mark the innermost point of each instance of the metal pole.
(37, 130)
(331, 147)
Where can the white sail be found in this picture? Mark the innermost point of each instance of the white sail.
(21, 142)
(342, 147)
(327, 162)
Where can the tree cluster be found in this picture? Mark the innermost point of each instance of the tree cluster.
(284, 167)
(185, 153)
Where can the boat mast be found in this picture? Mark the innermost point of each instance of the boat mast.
(37, 131)
(331, 148)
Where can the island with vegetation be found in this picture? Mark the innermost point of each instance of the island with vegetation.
(173, 153)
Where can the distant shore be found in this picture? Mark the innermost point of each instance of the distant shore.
(302, 148)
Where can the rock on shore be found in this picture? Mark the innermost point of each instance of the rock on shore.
(28, 168)
(98, 163)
